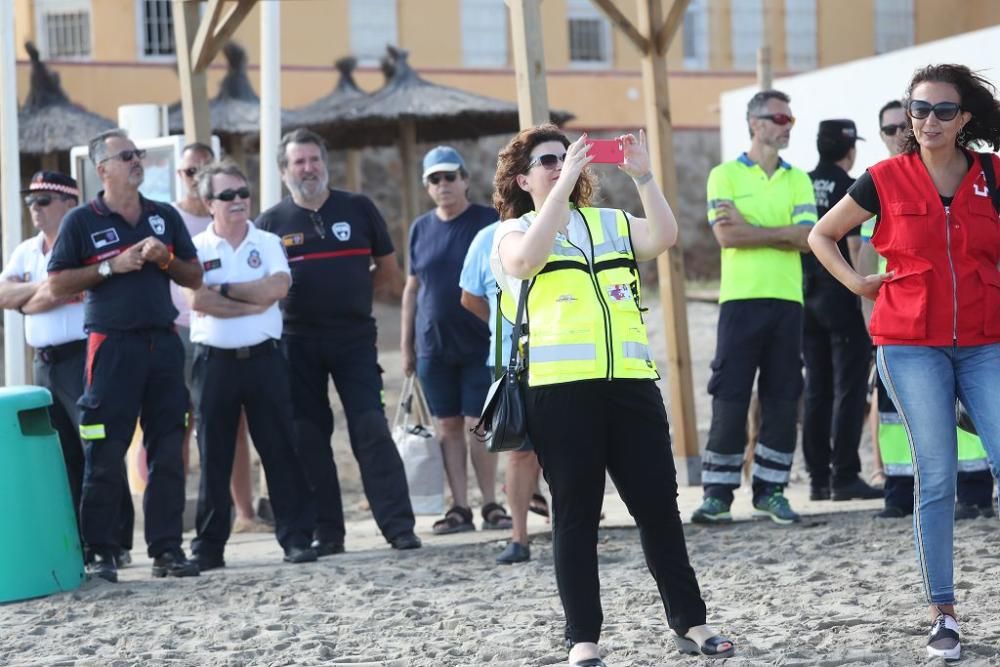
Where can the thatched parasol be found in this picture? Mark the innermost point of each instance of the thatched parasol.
(327, 109)
(48, 122)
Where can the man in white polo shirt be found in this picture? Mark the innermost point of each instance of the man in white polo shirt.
(236, 326)
(54, 327)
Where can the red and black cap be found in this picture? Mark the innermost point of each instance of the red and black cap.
(52, 181)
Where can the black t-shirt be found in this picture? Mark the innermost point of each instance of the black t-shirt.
(92, 233)
(863, 191)
(330, 253)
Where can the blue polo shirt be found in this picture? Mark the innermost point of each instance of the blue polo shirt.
(477, 279)
(330, 253)
(92, 233)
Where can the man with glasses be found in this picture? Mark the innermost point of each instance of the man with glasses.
(54, 327)
(761, 210)
(443, 343)
(123, 250)
(333, 240)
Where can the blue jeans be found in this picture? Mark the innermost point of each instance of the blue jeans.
(924, 383)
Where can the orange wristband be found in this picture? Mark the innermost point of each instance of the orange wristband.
(166, 265)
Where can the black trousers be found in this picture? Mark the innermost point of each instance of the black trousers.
(754, 335)
(132, 375)
(352, 362)
(222, 385)
(836, 385)
(579, 431)
(60, 370)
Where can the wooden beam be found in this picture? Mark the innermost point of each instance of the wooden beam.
(665, 35)
(206, 29)
(194, 89)
(670, 265)
(615, 15)
(411, 179)
(529, 62)
(216, 28)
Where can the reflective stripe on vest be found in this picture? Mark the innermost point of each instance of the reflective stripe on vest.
(895, 448)
(584, 318)
(971, 453)
(92, 431)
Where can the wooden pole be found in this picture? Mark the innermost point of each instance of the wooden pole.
(529, 62)
(411, 177)
(194, 90)
(352, 165)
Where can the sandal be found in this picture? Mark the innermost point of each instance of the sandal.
(456, 520)
(495, 517)
(539, 505)
(715, 646)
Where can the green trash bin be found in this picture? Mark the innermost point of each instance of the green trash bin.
(40, 550)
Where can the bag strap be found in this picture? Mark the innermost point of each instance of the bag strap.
(498, 346)
(516, 332)
(405, 406)
(991, 180)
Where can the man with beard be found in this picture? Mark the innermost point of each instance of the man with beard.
(333, 239)
(123, 250)
(761, 210)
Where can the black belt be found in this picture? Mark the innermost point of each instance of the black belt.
(241, 352)
(55, 353)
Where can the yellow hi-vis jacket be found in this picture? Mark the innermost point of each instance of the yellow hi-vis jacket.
(584, 317)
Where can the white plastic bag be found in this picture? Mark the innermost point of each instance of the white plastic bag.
(419, 449)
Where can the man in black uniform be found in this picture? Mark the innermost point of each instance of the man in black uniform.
(835, 343)
(332, 238)
(123, 250)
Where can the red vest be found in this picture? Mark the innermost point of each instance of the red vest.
(946, 287)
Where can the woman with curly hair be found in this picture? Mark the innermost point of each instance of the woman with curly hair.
(936, 320)
(591, 400)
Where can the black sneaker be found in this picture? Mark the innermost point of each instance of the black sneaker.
(944, 641)
(819, 491)
(102, 565)
(174, 563)
(406, 541)
(987, 511)
(857, 489)
(301, 554)
(964, 512)
(327, 548)
(123, 558)
(893, 512)
(208, 562)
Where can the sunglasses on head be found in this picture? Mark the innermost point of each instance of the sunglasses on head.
(891, 130)
(778, 118)
(127, 155)
(190, 171)
(318, 224)
(548, 161)
(921, 109)
(231, 194)
(38, 200)
(435, 178)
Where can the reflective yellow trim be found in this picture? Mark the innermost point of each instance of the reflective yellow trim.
(92, 431)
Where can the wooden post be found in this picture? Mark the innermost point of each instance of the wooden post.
(411, 177)
(194, 90)
(352, 167)
(529, 62)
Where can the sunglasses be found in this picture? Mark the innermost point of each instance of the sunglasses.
(38, 200)
(548, 161)
(231, 194)
(891, 130)
(921, 109)
(190, 171)
(127, 156)
(778, 118)
(450, 176)
(318, 224)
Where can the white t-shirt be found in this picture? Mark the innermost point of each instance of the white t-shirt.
(259, 255)
(195, 224)
(62, 324)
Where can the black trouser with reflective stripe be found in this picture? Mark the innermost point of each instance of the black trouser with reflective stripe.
(60, 370)
(579, 431)
(222, 385)
(352, 362)
(754, 335)
(132, 375)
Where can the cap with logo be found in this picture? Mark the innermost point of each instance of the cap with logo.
(52, 181)
(839, 130)
(442, 158)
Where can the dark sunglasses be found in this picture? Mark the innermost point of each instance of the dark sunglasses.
(190, 171)
(450, 176)
(231, 194)
(38, 200)
(778, 118)
(921, 109)
(318, 224)
(127, 156)
(891, 130)
(548, 161)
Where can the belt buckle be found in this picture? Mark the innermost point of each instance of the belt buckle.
(243, 353)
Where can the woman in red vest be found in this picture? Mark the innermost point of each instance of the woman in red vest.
(937, 307)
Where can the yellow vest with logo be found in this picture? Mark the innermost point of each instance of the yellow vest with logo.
(584, 317)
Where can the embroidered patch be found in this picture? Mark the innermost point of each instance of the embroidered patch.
(342, 230)
(619, 292)
(158, 224)
(212, 264)
(289, 240)
(253, 261)
(104, 238)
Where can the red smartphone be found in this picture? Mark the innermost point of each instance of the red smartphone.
(606, 151)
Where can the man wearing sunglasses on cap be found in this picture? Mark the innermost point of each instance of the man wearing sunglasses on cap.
(54, 327)
(761, 210)
(123, 250)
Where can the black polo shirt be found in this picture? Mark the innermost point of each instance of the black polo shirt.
(92, 233)
(330, 254)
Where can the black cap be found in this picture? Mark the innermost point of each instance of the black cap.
(52, 181)
(838, 130)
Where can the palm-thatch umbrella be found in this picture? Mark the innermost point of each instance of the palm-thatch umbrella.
(49, 123)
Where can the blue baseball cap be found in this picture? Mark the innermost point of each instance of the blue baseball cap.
(442, 158)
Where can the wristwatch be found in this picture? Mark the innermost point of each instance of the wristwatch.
(104, 269)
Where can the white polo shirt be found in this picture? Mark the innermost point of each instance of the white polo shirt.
(63, 324)
(259, 255)
(195, 224)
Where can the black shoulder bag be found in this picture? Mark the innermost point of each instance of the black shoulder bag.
(503, 425)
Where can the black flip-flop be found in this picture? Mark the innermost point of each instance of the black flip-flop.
(709, 649)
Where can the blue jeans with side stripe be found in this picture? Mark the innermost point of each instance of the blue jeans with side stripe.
(923, 383)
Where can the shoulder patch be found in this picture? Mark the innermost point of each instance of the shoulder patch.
(212, 264)
(289, 240)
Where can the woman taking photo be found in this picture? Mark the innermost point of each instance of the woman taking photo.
(936, 320)
(592, 402)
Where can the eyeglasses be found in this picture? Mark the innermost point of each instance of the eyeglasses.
(891, 130)
(435, 178)
(127, 155)
(38, 200)
(318, 224)
(921, 109)
(231, 194)
(190, 171)
(778, 118)
(548, 161)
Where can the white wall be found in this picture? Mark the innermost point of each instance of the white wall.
(856, 90)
